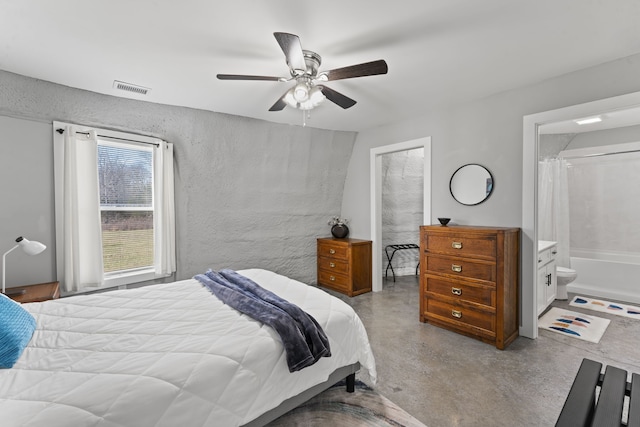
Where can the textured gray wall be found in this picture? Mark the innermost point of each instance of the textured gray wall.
(402, 176)
(249, 193)
(550, 145)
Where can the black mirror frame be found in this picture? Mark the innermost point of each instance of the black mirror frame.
(485, 198)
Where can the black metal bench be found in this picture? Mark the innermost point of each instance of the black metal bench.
(397, 248)
(583, 409)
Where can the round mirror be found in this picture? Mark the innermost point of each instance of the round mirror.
(471, 184)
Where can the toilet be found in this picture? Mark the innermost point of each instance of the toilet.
(564, 277)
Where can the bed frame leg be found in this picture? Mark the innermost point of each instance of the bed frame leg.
(351, 383)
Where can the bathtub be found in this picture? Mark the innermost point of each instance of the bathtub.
(606, 275)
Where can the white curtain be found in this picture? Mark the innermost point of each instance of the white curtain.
(78, 228)
(164, 210)
(553, 207)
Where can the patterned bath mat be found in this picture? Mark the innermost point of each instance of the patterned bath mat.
(607, 307)
(335, 407)
(574, 324)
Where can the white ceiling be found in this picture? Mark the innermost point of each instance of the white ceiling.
(439, 52)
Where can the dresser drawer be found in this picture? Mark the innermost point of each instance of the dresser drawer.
(461, 245)
(438, 286)
(333, 251)
(333, 265)
(335, 281)
(460, 267)
(453, 313)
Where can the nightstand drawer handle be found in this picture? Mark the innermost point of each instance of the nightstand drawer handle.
(332, 251)
(332, 278)
(456, 268)
(456, 291)
(456, 245)
(457, 314)
(332, 264)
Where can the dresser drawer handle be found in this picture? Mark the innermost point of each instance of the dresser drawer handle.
(332, 278)
(456, 268)
(332, 264)
(457, 314)
(456, 291)
(332, 251)
(456, 245)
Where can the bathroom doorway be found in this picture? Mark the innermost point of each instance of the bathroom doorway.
(531, 128)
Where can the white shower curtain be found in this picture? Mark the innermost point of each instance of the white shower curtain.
(553, 207)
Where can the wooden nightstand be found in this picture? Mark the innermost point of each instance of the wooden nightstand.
(35, 293)
(344, 265)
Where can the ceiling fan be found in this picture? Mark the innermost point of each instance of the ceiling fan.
(309, 91)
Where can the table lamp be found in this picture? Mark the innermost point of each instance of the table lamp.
(29, 247)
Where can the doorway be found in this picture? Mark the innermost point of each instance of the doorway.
(531, 125)
(376, 197)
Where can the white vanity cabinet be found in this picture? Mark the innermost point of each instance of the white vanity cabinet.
(547, 280)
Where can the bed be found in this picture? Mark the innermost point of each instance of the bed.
(172, 355)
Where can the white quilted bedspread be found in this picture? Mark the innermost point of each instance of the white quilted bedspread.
(167, 355)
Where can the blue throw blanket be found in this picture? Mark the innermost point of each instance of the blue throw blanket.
(304, 340)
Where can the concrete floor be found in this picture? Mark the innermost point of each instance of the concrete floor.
(446, 379)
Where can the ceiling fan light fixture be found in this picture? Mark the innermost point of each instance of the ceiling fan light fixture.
(313, 98)
(316, 96)
(301, 92)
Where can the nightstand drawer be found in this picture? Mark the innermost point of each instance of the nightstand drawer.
(333, 251)
(333, 265)
(333, 280)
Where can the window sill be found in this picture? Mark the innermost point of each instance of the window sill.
(120, 281)
(128, 277)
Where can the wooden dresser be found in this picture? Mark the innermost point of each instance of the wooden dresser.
(469, 281)
(344, 265)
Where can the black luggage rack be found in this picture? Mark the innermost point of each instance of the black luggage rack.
(396, 248)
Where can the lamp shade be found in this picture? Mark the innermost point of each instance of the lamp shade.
(29, 247)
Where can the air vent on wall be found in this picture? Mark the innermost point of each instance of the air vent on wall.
(130, 87)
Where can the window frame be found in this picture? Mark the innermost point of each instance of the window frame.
(140, 274)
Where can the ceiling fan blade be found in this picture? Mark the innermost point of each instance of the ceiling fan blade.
(290, 45)
(280, 104)
(243, 77)
(337, 98)
(367, 69)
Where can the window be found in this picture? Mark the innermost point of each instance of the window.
(114, 207)
(125, 176)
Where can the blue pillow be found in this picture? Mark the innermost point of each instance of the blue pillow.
(16, 329)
